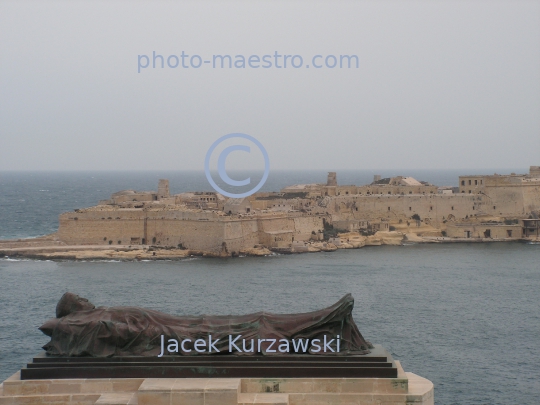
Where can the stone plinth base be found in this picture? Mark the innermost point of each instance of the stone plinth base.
(406, 389)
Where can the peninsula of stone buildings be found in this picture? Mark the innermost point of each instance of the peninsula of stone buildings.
(145, 225)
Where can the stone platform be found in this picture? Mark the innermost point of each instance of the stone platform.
(376, 364)
(406, 389)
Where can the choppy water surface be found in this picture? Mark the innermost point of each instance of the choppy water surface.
(466, 316)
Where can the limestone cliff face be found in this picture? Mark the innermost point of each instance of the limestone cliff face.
(385, 238)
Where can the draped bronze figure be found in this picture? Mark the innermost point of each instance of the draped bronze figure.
(81, 329)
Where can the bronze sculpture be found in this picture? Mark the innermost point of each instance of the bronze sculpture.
(81, 329)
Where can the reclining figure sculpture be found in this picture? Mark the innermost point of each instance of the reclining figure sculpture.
(81, 329)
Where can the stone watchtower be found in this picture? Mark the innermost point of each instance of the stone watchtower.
(332, 179)
(163, 188)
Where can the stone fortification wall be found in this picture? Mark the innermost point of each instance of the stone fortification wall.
(301, 226)
(277, 203)
(505, 195)
(510, 195)
(174, 225)
(282, 231)
(240, 234)
(395, 189)
(196, 230)
(101, 227)
(133, 197)
(196, 234)
(304, 226)
(531, 195)
(276, 232)
(193, 230)
(435, 207)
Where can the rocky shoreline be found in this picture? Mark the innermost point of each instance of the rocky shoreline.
(47, 248)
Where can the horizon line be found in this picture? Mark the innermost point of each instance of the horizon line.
(245, 170)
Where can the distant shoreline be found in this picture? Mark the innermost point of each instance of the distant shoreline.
(19, 249)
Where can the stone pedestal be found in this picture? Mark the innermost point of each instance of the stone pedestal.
(406, 389)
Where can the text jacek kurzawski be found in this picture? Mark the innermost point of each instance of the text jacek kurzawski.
(239, 345)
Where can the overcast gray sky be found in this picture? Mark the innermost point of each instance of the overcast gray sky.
(440, 84)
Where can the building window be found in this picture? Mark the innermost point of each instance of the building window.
(470, 182)
(431, 208)
(462, 182)
(481, 182)
(494, 207)
(473, 207)
(470, 191)
(509, 233)
(410, 208)
(388, 208)
(476, 182)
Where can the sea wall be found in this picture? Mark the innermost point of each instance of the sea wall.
(199, 230)
(240, 234)
(204, 231)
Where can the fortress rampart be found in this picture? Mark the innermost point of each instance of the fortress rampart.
(197, 230)
(433, 207)
(209, 222)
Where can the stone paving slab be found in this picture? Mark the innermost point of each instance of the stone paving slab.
(191, 391)
(47, 399)
(116, 398)
(15, 386)
(266, 399)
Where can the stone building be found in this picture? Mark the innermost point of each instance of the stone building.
(531, 227)
(485, 230)
(163, 189)
(201, 200)
(237, 206)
